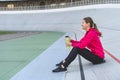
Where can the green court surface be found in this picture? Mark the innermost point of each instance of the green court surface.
(15, 54)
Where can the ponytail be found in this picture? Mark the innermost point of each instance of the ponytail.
(92, 24)
(96, 28)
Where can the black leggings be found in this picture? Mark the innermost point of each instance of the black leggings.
(85, 53)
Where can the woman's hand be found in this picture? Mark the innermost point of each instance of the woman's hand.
(68, 44)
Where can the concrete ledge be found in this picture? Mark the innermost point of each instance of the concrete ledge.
(41, 67)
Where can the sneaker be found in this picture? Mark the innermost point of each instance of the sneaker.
(59, 69)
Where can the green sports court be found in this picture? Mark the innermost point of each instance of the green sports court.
(16, 53)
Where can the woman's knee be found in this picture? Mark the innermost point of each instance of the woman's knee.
(75, 49)
(78, 49)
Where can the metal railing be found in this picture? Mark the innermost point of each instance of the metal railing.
(61, 5)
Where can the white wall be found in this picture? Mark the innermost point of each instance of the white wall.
(66, 19)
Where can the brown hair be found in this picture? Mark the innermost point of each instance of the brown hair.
(92, 24)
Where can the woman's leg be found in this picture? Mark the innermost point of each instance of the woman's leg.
(84, 53)
(88, 55)
(72, 55)
(62, 67)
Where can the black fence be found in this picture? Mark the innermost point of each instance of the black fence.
(40, 5)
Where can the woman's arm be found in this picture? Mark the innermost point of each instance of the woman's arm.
(83, 42)
(71, 42)
(74, 41)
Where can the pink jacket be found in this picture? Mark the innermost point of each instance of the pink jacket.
(91, 41)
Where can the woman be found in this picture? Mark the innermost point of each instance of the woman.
(89, 47)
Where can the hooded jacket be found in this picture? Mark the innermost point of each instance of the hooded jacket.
(91, 41)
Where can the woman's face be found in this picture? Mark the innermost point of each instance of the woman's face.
(85, 26)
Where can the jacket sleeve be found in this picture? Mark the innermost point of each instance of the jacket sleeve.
(74, 41)
(84, 42)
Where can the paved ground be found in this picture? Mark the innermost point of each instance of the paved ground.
(41, 67)
(16, 53)
(55, 53)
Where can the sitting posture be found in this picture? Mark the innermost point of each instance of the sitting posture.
(89, 47)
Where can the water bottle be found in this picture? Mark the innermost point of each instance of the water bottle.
(67, 40)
